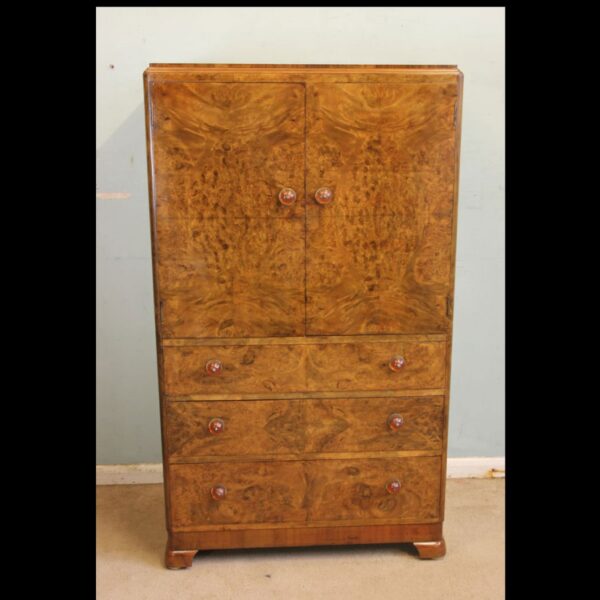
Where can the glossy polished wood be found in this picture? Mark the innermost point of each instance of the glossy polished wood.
(299, 492)
(315, 367)
(179, 559)
(378, 258)
(226, 151)
(326, 339)
(396, 74)
(229, 252)
(303, 303)
(435, 549)
(276, 427)
(232, 277)
(304, 536)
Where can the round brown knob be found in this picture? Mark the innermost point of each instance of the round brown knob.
(395, 421)
(324, 195)
(216, 426)
(397, 363)
(287, 196)
(393, 486)
(214, 367)
(218, 492)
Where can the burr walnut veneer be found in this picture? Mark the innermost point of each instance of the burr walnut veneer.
(303, 238)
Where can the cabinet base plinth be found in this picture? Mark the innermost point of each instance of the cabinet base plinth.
(179, 559)
(435, 549)
(179, 555)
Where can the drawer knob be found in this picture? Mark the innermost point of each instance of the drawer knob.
(393, 486)
(395, 421)
(216, 426)
(397, 363)
(214, 367)
(218, 492)
(324, 195)
(287, 196)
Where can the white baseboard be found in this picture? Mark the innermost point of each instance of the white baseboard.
(468, 467)
(129, 474)
(480, 467)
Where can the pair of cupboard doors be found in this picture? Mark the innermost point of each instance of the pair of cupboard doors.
(301, 203)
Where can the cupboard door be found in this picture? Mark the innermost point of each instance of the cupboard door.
(229, 249)
(379, 252)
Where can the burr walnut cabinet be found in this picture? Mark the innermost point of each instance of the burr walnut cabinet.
(303, 238)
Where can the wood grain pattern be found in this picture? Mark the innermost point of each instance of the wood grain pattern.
(448, 367)
(230, 255)
(304, 73)
(223, 150)
(179, 559)
(378, 256)
(278, 68)
(274, 427)
(375, 285)
(304, 536)
(302, 395)
(297, 492)
(156, 294)
(435, 549)
(232, 277)
(256, 458)
(322, 339)
(310, 367)
(276, 293)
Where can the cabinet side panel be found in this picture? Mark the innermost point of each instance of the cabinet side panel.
(458, 124)
(156, 288)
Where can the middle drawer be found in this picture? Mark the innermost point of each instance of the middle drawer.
(304, 367)
(276, 427)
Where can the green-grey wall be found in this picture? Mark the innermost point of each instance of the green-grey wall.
(130, 38)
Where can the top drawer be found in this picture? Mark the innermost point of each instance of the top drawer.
(303, 367)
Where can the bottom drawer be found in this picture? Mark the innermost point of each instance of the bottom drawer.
(305, 492)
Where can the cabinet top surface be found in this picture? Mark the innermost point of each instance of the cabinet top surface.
(302, 73)
(295, 67)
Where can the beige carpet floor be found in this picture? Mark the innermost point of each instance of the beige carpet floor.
(131, 539)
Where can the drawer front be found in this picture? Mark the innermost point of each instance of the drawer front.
(304, 367)
(272, 427)
(305, 492)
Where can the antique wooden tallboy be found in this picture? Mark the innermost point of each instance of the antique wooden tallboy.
(303, 233)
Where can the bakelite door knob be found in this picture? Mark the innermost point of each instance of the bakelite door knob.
(397, 363)
(216, 426)
(393, 486)
(218, 492)
(214, 367)
(287, 196)
(324, 195)
(395, 421)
